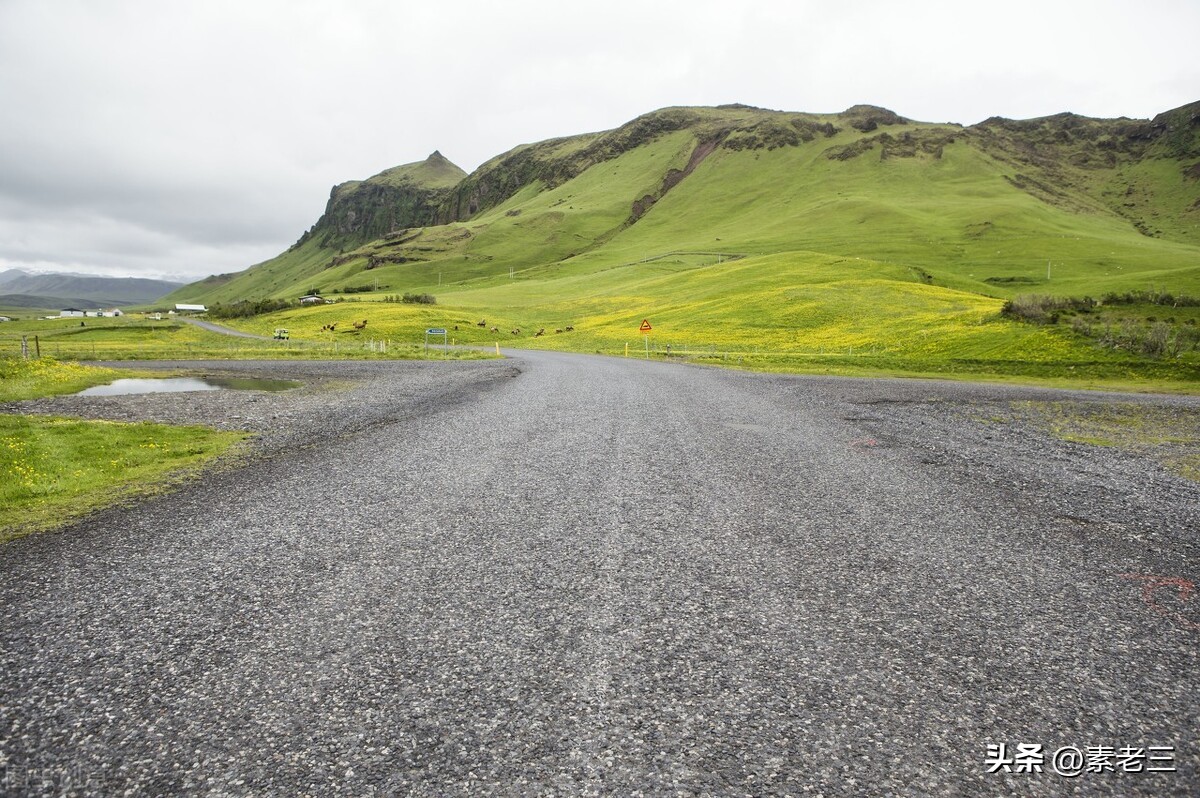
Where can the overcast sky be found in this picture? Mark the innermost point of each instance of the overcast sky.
(180, 139)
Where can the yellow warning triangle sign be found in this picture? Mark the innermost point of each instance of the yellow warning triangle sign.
(646, 325)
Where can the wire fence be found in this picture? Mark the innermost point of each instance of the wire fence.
(28, 347)
(684, 349)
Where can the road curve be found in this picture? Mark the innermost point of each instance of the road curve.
(607, 576)
(217, 328)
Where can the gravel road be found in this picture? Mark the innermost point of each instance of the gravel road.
(572, 575)
(217, 328)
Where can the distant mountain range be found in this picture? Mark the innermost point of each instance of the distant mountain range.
(56, 290)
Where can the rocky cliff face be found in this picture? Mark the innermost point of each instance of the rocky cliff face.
(404, 196)
(1179, 131)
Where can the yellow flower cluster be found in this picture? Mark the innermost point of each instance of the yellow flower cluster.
(46, 368)
(25, 474)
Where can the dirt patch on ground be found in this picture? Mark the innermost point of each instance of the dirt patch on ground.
(673, 178)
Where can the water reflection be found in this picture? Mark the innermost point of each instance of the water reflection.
(180, 384)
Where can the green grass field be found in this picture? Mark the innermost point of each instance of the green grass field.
(59, 469)
(799, 312)
(132, 337)
(34, 378)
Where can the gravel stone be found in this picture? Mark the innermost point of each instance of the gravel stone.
(572, 575)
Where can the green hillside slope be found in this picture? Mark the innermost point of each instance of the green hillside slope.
(984, 208)
(737, 204)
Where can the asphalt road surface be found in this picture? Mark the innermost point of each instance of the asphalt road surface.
(572, 575)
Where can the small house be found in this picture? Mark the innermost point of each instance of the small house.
(191, 308)
(67, 313)
(112, 313)
(312, 299)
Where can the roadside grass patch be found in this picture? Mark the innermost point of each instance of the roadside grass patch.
(1171, 436)
(53, 469)
(132, 338)
(34, 378)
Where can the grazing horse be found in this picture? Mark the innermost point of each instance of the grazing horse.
(481, 323)
(358, 325)
(515, 331)
(570, 329)
(540, 332)
(557, 331)
(495, 329)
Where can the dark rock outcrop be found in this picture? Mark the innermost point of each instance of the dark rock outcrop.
(397, 198)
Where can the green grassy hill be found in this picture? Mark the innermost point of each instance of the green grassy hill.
(787, 233)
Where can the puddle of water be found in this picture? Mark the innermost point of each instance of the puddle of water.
(251, 383)
(180, 384)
